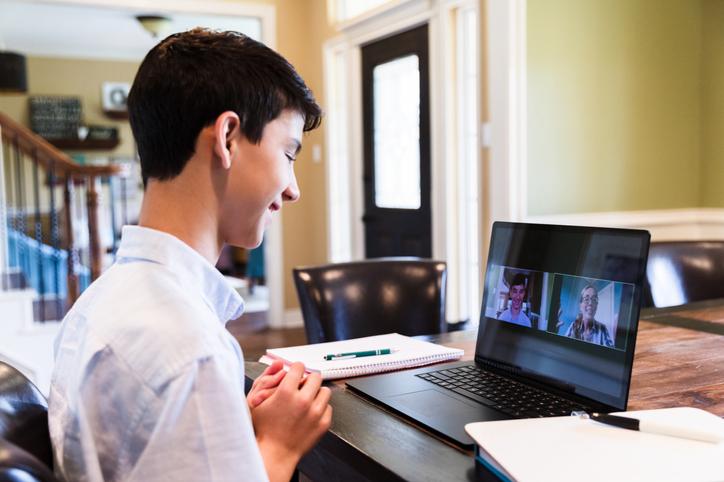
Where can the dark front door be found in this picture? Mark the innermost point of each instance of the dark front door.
(396, 114)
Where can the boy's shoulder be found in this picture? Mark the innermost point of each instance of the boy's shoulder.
(149, 321)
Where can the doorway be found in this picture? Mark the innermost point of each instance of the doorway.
(396, 138)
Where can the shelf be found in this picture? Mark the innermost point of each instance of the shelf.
(116, 114)
(86, 144)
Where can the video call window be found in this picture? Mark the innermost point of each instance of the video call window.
(588, 310)
(591, 310)
(516, 295)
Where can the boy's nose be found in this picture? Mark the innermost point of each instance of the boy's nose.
(291, 193)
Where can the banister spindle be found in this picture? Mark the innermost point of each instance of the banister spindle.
(17, 207)
(38, 232)
(94, 241)
(55, 242)
(112, 207)
(19, 188)
(68, 194)
(124, 201)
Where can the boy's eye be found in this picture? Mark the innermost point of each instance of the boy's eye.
(290, 157)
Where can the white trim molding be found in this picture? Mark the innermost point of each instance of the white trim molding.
(391, 16)
(506, 186)
(293, 318)
(663, 224)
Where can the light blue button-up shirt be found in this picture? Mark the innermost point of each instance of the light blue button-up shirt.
(148, 383)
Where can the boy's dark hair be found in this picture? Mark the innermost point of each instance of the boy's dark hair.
(519, 279)
(190, 78)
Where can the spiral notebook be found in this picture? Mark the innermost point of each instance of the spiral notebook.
(406, 352)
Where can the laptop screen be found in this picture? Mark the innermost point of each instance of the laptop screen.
(561, 303)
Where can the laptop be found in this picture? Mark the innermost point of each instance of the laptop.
(557, 333)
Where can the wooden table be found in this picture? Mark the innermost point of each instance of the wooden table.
(679, 361)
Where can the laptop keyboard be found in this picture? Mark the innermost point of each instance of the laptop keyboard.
(503, 394)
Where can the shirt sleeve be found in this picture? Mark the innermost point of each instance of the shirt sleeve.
(202, 428)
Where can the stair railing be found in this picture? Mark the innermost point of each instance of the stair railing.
(35, 168)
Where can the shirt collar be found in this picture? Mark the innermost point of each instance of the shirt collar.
(192, 269)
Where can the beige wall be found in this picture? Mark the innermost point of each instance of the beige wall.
(79, 78)
(712, 104)
(614, 105)
(301, 29)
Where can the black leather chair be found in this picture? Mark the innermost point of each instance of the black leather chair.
(372, 297)
(680, 272)
(25, 450)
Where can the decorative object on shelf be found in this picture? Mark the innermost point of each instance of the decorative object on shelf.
(114, 97)
(102, 133)
(55, 117)
(82, 132)
(13, 73)
(154, 24)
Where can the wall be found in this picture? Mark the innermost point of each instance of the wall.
(79, 78)
(712, 103)
(614, 105)
(301, 29)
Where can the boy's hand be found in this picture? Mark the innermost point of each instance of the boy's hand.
(291, 420)
(265, 384)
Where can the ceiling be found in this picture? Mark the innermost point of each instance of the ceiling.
(80, 29)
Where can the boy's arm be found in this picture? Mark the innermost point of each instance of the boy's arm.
(291, 420)
(200, 428)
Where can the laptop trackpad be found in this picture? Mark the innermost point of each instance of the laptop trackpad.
(431, 403)
(438, 411)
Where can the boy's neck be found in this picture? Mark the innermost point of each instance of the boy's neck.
(185, 211)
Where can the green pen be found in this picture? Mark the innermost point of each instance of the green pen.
(357, 354)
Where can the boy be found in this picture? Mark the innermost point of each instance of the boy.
(148, 383)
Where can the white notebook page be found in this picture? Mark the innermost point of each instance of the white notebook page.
(406, 352)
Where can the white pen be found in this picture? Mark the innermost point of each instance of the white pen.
(655, 426)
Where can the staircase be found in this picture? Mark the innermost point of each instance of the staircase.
(50, 240)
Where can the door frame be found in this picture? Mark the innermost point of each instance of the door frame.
(344, 129)
(343, 134)
(395, 219)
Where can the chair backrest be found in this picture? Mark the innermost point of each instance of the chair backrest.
(350, 300)
(23, 421)
(680, 272)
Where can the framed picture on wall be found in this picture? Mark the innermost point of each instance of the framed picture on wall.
(114, 96)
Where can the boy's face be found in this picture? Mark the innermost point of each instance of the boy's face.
(261, 177)
(517, 294)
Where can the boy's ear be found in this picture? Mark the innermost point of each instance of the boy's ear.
(226, 132)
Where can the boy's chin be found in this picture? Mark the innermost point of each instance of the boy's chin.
(247, 242)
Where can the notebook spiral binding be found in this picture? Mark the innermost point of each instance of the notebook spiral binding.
(385, 366)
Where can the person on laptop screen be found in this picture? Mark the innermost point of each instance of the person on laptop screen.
(518, 294)
(585, 327)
